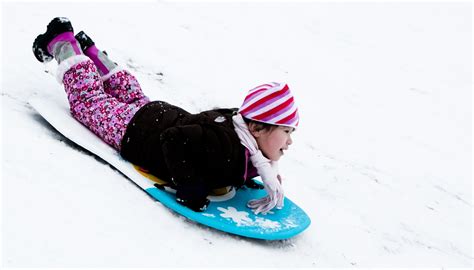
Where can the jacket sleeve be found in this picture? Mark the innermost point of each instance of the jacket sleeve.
(181, 146)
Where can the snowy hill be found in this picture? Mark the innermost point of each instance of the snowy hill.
(381, 161)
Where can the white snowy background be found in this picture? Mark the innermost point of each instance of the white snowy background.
(381, 161)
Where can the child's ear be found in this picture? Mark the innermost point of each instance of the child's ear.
(253, 130)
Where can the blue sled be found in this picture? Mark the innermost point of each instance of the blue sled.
(233, 215)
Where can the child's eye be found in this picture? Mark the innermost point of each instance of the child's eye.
(287, 130)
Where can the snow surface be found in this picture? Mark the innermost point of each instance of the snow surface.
(381, 161)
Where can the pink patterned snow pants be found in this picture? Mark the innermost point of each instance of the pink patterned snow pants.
(106, 107)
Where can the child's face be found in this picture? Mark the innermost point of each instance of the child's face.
(273, 143)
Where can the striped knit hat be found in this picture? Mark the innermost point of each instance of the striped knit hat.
(271, 103)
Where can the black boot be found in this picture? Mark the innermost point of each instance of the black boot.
(84, 40)
(56, 27)
(100, 58)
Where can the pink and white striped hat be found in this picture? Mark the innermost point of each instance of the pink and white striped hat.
(271, 103)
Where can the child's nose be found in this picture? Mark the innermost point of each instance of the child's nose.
(290, 141)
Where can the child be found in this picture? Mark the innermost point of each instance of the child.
(194, 152)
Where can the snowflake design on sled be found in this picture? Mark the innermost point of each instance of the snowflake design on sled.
(242, 218)
(239, 217)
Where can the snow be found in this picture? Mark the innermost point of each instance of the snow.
(381, 161)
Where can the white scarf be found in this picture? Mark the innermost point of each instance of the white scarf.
(266, 168)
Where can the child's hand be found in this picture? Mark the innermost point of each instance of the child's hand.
(195, 205)
(193, 196)
(265, 204)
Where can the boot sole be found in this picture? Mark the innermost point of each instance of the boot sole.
(56, 27)
(84, 41)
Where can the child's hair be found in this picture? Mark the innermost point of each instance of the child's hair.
(258, 126)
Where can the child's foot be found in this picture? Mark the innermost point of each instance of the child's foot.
(100, 58)
(84, 40)
(55, 28)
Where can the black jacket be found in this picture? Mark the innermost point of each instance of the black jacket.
(184, 148)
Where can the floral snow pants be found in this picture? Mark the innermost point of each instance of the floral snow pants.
(105, 107)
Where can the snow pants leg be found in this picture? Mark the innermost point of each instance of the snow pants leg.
(105, 107)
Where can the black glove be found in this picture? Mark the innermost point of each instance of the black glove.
(253, 184)
(193, 197)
